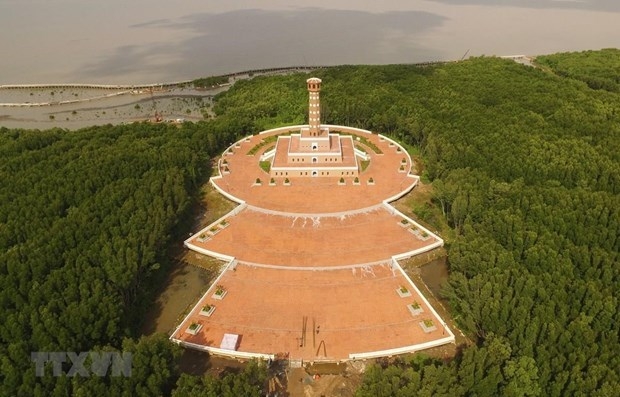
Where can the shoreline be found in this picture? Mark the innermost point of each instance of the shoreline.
(163, 84)
(74, 106)
(264, 71)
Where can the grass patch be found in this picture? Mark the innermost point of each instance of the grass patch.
(371, 145)
(418, 205)
(265, 166)
(265, 141)
(215, 204)
(212, 81)
(364, 164)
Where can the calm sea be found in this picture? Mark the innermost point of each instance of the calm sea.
(149, 41)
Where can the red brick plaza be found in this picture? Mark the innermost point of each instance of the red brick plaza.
(312, 250)
(311, 263)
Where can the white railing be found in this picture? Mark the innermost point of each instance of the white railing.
(401, 350)
(224, 352)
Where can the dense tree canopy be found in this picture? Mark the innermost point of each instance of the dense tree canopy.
(85, 218)
(600, 70)
(248, 383)
(525, 167)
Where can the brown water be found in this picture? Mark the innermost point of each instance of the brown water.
(184, 286)
(151, 41)
(435, 275)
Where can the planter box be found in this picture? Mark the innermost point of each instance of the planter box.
(371, 183)
(419, 235)
(427, 329)
(415, 311)
(194, 330)
(219, 296)
(207, 313)
(403, 294)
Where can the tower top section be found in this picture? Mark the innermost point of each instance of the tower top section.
(314, 110)
(314, 84)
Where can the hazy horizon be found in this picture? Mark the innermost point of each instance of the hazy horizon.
(150, 41)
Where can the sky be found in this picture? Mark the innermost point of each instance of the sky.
(150, 41)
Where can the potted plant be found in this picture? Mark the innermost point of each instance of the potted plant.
(403, 291)
(341, 181)
(356, 181)
(415, 308)
(220, 292)
(287, 181)
(427, 325)
(257, 182)
(371, 181)
(194, 328)
(207, 310)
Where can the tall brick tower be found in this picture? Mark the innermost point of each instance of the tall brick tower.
(314, 151)
(314, 110)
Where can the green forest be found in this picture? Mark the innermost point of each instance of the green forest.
(524, 164)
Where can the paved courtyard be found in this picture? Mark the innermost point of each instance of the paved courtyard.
(321, 241)
(354, 310)
(314, 249)
(320, 194)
